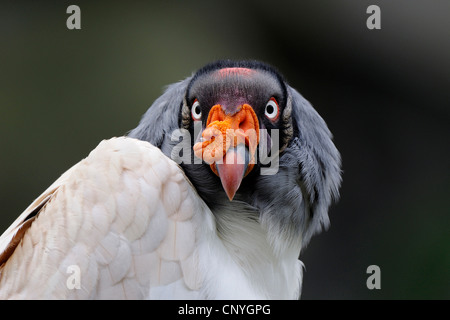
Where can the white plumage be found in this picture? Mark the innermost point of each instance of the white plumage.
(133, 225)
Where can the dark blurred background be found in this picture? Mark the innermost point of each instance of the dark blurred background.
(385, 95)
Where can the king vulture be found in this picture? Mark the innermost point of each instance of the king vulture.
(212, 196)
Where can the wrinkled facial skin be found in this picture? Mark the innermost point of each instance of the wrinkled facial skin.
(231, 88)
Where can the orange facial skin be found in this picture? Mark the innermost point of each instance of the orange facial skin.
(224, 132)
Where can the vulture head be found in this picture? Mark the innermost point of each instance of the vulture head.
(251, 145)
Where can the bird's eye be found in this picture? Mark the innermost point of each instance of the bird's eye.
(196, 111)
(272, 110)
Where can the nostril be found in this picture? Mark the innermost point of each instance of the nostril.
(216, 114)
(231, 108)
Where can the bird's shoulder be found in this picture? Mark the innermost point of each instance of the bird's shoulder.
(125, 216)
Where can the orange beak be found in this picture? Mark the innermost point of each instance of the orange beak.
(229, 145)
